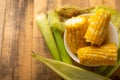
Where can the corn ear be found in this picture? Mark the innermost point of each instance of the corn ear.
(75, 29)
(97, 29)
(103, 55)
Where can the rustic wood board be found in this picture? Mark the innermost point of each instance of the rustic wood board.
(19, 36)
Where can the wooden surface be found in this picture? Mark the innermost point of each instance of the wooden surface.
(19, 36)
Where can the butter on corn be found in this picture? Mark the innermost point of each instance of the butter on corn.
(75, 29)
(103, 55)
(98, 27)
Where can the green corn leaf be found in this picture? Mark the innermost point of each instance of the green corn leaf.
(100, 69)
(69, 72)
(57, 26)
(46, 31)
(54, 20)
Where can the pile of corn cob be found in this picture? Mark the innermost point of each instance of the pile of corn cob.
(86, 39)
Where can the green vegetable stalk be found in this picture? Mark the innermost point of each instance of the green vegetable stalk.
(45, 29)
(56, 25)
(54, 20)
(69, 72)
(100, 69)
(61, 48)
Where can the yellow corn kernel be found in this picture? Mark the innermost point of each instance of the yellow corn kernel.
(103, 55)
(98, 27)
(75, 29)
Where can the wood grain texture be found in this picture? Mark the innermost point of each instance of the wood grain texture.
(2, 15)
(19, 36)
(80, 3)
(17, 40)
(110, 3)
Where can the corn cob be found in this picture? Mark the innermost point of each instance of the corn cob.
(103, 55)
(75, 29)
(97, 29)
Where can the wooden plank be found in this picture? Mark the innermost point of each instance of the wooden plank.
(110, 3)
(27, 62)
(17, 41)
(117, 3)
(8, 39)
(22, 57)
(53, 4)
(2, 12)
(2, 16)
(80, 3)
(39, 70)
(96, 2)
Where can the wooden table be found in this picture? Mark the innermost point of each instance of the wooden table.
(19, 36)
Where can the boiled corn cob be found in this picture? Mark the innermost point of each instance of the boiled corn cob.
(97, 29)
(103, 55)
(75, 29)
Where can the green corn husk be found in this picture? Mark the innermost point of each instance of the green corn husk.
(69, 72)
(100, 69)
(57, 26)
(68, 12)
(45, 29)
(54, 20)
(61, 48)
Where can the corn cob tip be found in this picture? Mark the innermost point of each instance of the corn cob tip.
(75, 20)
(75, 30)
